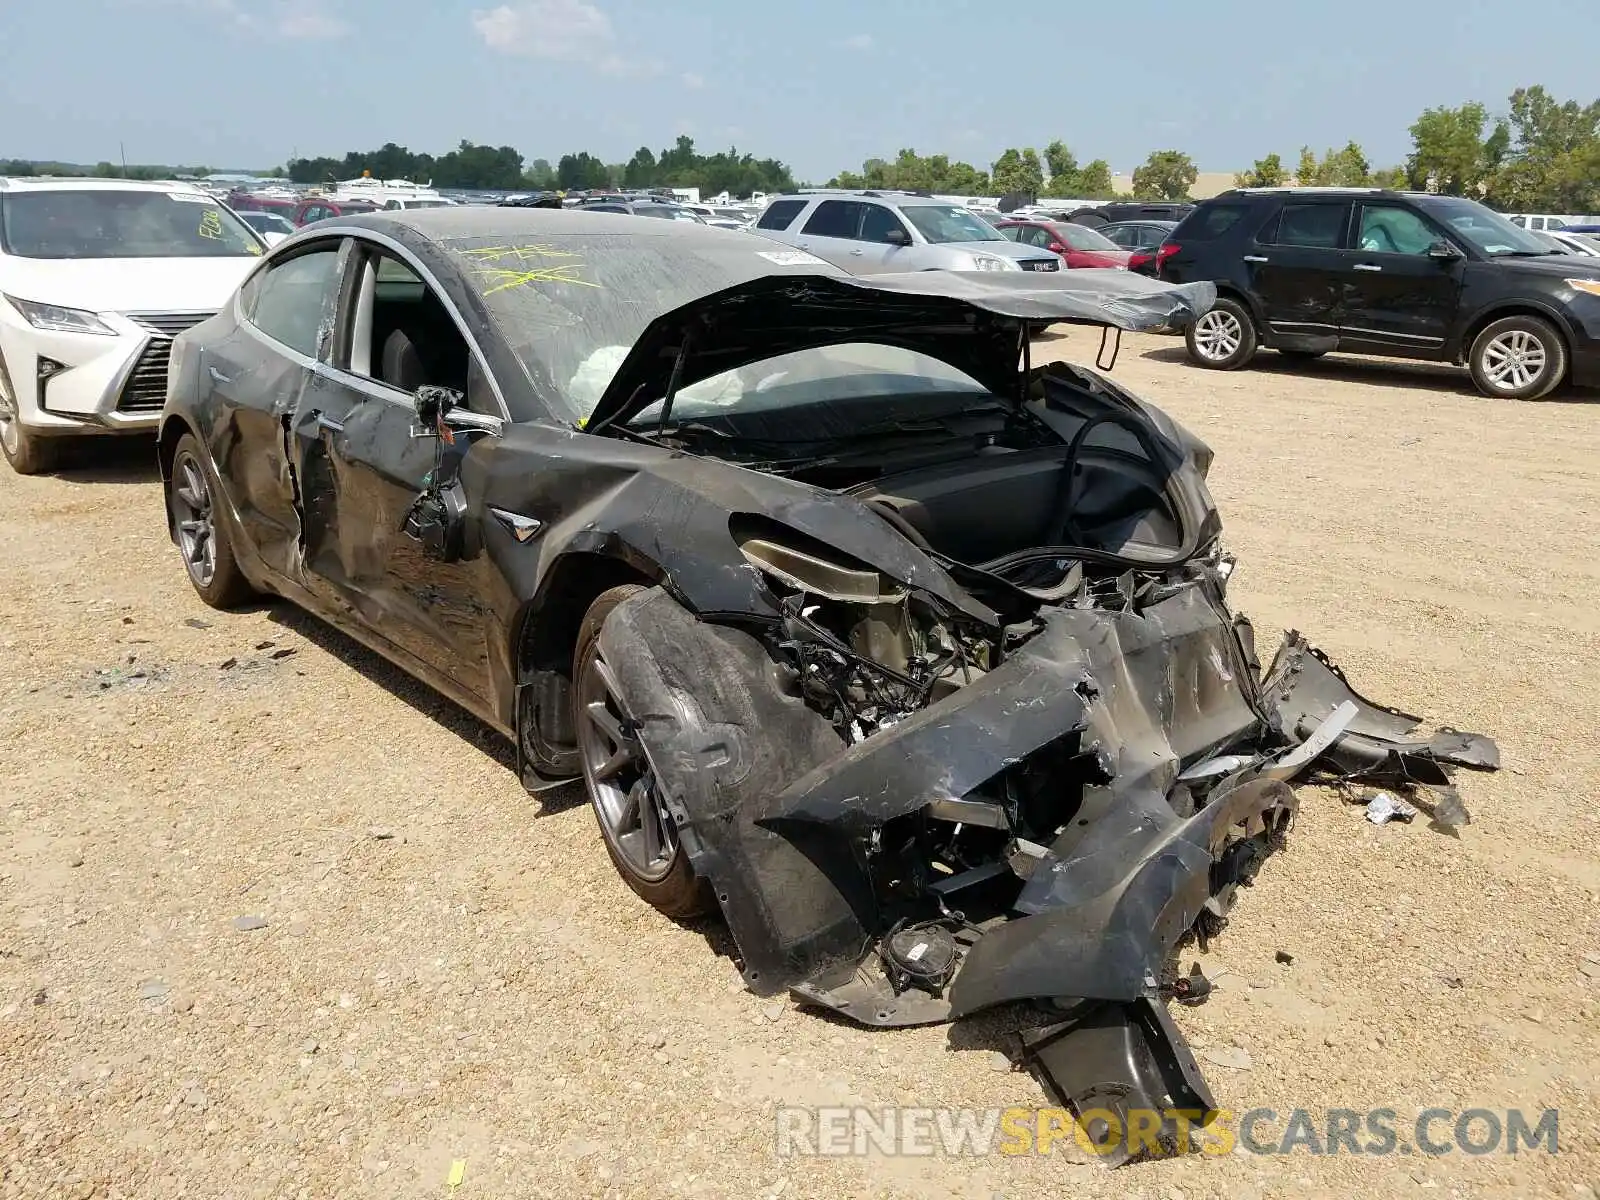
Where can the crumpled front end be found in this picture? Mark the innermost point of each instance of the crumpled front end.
(1046, 819)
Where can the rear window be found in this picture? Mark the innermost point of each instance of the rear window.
(1319, 226)
(780, 214)
(1209, 221)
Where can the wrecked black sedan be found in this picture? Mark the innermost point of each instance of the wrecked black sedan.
(912, 659)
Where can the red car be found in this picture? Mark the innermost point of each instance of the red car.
(251, 202)
(320, 209)
(1078, 245)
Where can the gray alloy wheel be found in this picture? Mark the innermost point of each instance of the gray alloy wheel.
(621, 782)
(640, 837)
(198, 528)
(192, 518)
(1518, 358)
(1223, 338)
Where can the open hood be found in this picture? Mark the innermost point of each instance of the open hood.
(967, 319)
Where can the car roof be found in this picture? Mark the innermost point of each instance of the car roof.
(690, 238)
(45, 183)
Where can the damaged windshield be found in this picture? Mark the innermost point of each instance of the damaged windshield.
(571, 307)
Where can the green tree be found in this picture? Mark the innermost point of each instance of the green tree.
(640, 171)
(1305, 172)
(582, 171)
(1267, 172)
(1451, 152)
(1066, 179)
(1346, 168)
(1554, 149)
(1165, 175)
(1094, 181)
(1018, 171)
(540, 176)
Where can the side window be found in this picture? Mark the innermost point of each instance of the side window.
(1033, 235)
(1319, 226)
(1012, 233)
(780, 214)
(288, 301)
(877, 223)
(402, 335)
(835, 218)
(1389, 230)
(1209, 221)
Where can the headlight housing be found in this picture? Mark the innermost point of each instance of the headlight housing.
(60, 320)
(1591, 286)
(990, 262)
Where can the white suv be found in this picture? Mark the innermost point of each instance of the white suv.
(870, 232)
(96, 278)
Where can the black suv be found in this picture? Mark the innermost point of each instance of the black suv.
(1307, 270)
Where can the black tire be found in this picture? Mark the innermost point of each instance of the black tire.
(1303, 355)
(1518, 358)
(679, 893)
(225, 586)
(27, 453)
(1224, 338)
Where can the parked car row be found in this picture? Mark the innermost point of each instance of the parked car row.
(1401, 274)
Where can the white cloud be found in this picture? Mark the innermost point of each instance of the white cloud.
(693, 80)
(563, 30)
(310, 24)
(859, 41)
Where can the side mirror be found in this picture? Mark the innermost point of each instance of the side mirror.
(897, 237)
(1443, 251)
(1056, 248)
(439, 414)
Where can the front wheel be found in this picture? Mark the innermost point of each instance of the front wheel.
(622, 782)
(28, 453)
(1224, 337)
(199, 530)
(1518, 358)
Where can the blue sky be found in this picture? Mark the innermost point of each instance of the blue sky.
(821, 84)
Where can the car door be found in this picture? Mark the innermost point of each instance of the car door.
(1399, 299)
(1297, 266)
(832, 233)
(364, 467)
(257, 376)
(879, 249)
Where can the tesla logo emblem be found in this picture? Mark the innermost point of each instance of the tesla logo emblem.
(522, 528)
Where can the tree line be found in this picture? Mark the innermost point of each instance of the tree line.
(1541, 155)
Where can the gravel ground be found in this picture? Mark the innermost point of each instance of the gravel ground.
(274, 921)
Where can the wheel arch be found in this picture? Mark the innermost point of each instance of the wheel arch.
(172, 430)
(538, 675)
(1519, 308)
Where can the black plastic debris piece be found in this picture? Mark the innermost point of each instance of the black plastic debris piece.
(1284, 957)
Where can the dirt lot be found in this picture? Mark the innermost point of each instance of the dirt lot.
(449, 972)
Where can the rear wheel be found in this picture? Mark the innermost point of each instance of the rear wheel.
(1224, 338)
(28, 453)
(201, 535)
(641, 838)
(1518, 358)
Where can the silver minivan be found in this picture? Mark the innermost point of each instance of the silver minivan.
(870, 232)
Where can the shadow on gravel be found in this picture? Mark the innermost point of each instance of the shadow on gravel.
(1380, 372)
(397, 683)
(124, 459)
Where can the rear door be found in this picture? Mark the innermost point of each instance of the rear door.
(1398, 299)
(1297, 265)
(257, 376)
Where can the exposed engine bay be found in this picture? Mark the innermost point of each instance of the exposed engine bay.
(911, 809)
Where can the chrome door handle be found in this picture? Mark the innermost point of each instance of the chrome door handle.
(217, 376)
(858, 253)
(1368, 267)
(1255, 258)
